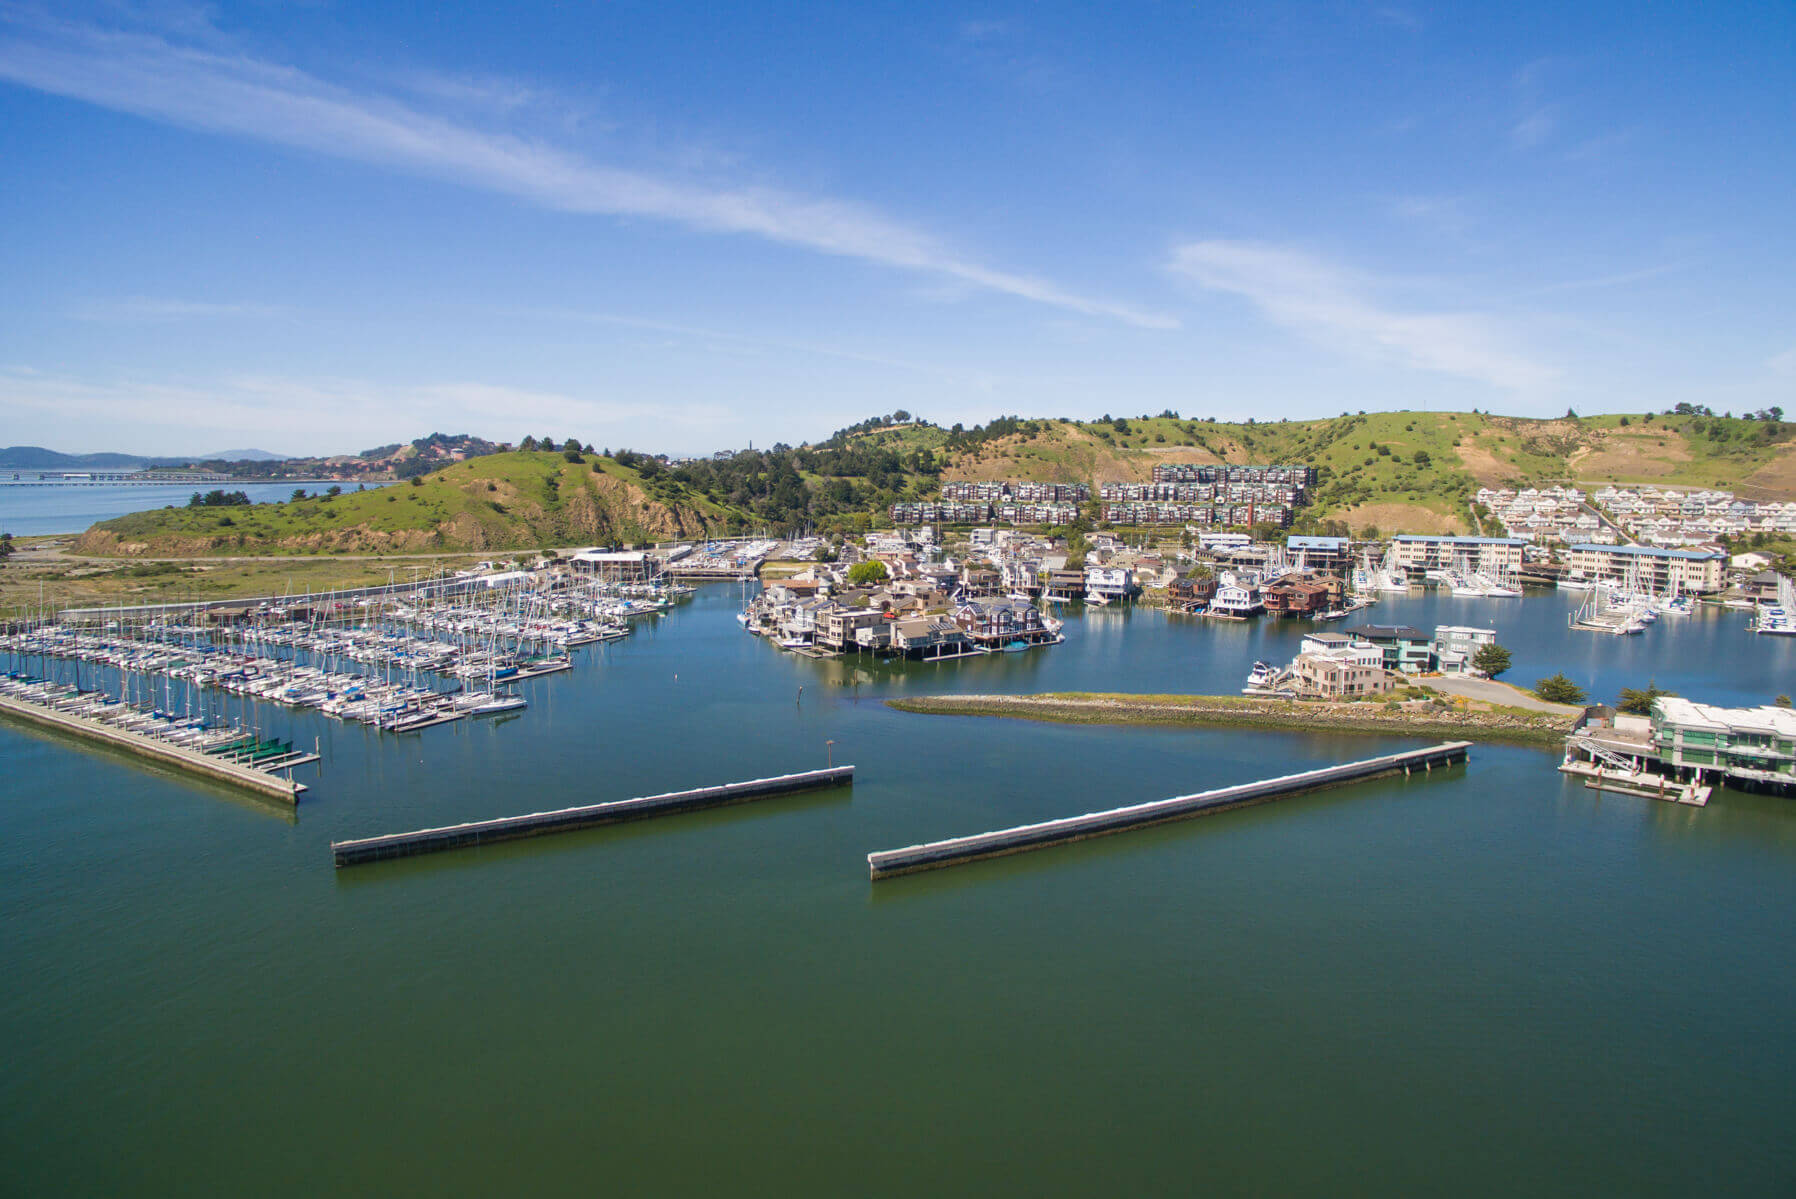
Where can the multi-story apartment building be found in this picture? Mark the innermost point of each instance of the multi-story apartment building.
(1647, 568)
(1418, 553)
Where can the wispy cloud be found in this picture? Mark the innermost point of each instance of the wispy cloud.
(1445, 215)
(1335, 308)
(1538, 118)
(1597, 282)
(234, 93)
(153, 309)
(296, 411)
(979, 380)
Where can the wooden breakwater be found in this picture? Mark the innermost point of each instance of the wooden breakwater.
(190, 760)
(952, 852)
(536, 824)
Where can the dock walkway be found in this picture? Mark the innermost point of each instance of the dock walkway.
(936, 854)
(192, 761)
(536, 824)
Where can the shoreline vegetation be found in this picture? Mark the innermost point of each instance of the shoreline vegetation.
(1443, 717)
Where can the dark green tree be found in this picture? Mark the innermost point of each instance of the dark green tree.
(1637, 702)
(1557, 689)
(863, 573)
(1491, 659)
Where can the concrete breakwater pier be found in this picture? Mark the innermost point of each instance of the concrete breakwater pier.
(193, 761)
(536, 824)
(937, 854)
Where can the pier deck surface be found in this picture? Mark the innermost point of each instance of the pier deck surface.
(192, 761)
(937, 854)
(536, 824)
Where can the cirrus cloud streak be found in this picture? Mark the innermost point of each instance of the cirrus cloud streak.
(1335, 308)
(233, 93)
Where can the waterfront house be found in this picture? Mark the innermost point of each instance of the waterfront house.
(994, 623)
(1190, 594)
(1328, 676)
(927, 638)
(1454, 646)
(1296, 595)
(1342, 648)
(1406, 650)
(838, 627)
(1110, 582)
(1237, 595)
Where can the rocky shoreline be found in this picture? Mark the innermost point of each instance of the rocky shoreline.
(1443, 717)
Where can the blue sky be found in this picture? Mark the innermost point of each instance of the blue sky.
(318, 227)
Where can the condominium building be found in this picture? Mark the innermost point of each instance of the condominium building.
(1493, 556)
(1647, 568)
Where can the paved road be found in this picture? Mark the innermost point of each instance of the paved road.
(1498, 693)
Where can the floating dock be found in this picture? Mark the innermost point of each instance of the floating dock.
(936, 854)
(1642, 783)
(536, 824)
(191, 760)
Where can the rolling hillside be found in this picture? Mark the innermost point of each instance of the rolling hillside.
(1405, 470)
(514, 500)
(1390, 471)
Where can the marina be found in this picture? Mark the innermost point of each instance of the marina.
(226, 755)
(1285, 514)
(726, 942)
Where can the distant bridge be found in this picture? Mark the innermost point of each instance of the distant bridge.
(95, 478)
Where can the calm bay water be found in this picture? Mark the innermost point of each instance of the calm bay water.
(31, 511)
(1488, 983)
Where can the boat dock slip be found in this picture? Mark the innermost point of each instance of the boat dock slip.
(536, 824)
(191, 760)
(937, 854)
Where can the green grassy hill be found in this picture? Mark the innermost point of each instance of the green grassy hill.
(1407, 470)
(1394, 471)
(501, 501)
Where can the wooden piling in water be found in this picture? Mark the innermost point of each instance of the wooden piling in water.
(937, 854)
(536, 824)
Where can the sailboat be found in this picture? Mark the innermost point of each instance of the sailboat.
(1778, 619)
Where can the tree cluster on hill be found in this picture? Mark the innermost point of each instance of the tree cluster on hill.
(219, 498)
(841, 478)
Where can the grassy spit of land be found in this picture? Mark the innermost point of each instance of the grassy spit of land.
(41, 574)
(1434, 716)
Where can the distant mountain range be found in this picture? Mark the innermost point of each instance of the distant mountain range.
(36, 457)
(242, 456)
